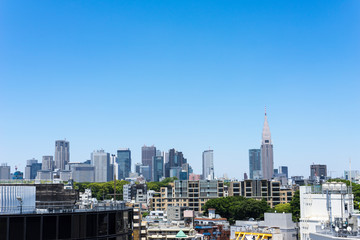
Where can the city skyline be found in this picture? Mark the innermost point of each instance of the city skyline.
(182, 75)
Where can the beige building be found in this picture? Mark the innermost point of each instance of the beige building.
(191, 194)
(271, 191)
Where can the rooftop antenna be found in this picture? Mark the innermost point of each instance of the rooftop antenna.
(265, 110)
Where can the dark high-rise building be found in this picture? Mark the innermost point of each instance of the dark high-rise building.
(147, 154)
(157, 168)
(284, 170)
(255, 163)
(176, 160)
(137, 168)
(124, 161)
(267, 157)
(62, 154)
(318, 170)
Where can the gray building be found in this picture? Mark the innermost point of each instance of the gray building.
(284, 170)
(82, 172)
(255, 163)
(176, 213)
(62, 154)
(103, 169)
(135, 192)
(147, 154)
(145, 171)
(124, 163)
(47, 163)
(45, 175)
(267, 156)
(157, 168)
(31, 169)
(208, 165)
(4, 172)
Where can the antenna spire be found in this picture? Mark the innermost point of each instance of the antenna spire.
(265, 110)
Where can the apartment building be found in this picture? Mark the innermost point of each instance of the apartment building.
(191, 194)
(271, 191)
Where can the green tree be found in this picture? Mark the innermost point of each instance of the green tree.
(283, 207)
(295, 206)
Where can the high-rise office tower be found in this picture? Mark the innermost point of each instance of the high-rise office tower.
(47, 163)
(103, 169)
(147, 154)
(137, 168)
(157, 168)
(284, 170)
(255, 163)
(62, 154)
(318, 170)
(124, 161)
(208, 165)
(267, 157)
(31, 169)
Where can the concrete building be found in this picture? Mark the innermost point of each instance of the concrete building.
(45, 175)
(101, 162)
(175, 213)
(271, 191)
(62, 154)
(82, 172)
(322, 206)
(4, 172)
(267, 157)
(255, 163)
(135, 193)
(191, 194)
(208, 165)
(124, 161)
(47, 163)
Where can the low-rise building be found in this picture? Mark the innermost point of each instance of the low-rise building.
(191, 194)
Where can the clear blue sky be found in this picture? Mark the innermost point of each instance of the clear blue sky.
(184, 74)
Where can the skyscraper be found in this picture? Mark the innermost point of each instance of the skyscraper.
(255, 163)
(267, 158)
(208, 165)
(157, 168)
(4, 172)
(103, 169)
(47, 163)
(31, 169)
(284, 170)
(62, 154)
(318, 170)
(147, 154)
(124, 162)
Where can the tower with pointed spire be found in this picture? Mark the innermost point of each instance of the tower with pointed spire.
(267, 157)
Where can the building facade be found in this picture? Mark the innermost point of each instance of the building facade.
(4, 172)
(255, 163)
(191, 194)
(47, 163)
(158, 168)
(208, 165)
(267, 156)
(271, 191)
(124, 162)
(31, 169)
(147, 155)
(103, 169)
(318, 171)
(62, 154)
